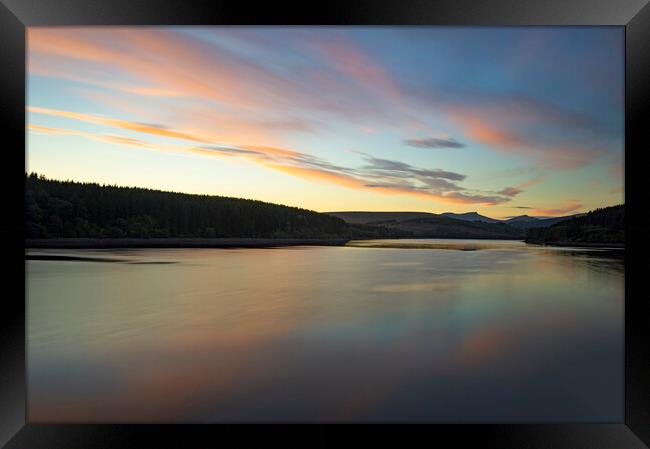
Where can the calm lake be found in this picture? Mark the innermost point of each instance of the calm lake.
(444, 331)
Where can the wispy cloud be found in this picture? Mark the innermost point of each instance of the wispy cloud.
(434, 142)
(352, 85)
(490, 129)
(552, 136)
(229, 93)
(167, 63)
(378, 175)
(147, 128)
(106, 138)
(516, 190)
(568, 207)
(510, 191)
(401, 169)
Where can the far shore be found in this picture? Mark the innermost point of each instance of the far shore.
(114, 243)
(580, 244)
(173, 242)
(88, 243)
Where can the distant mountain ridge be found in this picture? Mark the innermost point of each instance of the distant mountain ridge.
(527, 222)
(450, 224)
(470, 216)
(377, 218)
(427, 225)
(522, 218)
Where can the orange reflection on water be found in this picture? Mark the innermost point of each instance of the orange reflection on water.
(323, 334)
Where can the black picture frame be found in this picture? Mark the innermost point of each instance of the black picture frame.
(634, 15)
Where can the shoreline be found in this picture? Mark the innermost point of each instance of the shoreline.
(90, 243)
(241, 242)
(580, 244)
(198, 242)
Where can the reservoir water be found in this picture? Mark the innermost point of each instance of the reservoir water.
(405, 330)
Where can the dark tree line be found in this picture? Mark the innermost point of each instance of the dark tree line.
(70, 209)
(606, 225)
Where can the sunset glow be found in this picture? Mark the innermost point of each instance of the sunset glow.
(503, 121)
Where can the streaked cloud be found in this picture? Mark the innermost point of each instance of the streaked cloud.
(568, 207)
(379, 175)
(383, 176)
(510, 191)
(434, 142)
(254, 93)
(398, 168)
(147, 128)
(498, 131)
(516, 190)
(107, 138)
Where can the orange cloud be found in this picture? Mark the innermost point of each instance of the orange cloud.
(37, 66)
(530, 182)
(569, 206)
(63, 43)
(132, 126)
(495, 135)
(350, 60)
(165, 59)
(321, 175)
(166, 63)
(148, 91)
(519, 188)
(355, 183)
(350, 84)
(107, 138)
(485, 133)
(287, 161)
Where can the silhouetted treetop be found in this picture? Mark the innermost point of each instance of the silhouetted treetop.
(57, 209)
(604, 225)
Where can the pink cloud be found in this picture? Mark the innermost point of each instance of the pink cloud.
(342, 81)
(347, 83)
(489, 128)
(287, 161)
(107, 138)
(568, 207)
(124, 124)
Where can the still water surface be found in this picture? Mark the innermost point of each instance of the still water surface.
(498, 331)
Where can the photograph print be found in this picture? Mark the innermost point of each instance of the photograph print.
(363, 224)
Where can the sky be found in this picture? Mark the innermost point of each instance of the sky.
(502, 121)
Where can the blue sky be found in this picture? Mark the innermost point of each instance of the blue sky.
(503, 121)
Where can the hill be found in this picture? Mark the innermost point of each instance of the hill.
(470, 216)
(522, 220)
(427, 225)
(600, 226)
(526, 221)
(66, 209)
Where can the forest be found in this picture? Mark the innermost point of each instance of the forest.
(606, 225)
(68, 209)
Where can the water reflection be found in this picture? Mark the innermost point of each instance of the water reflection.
(506, 333)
